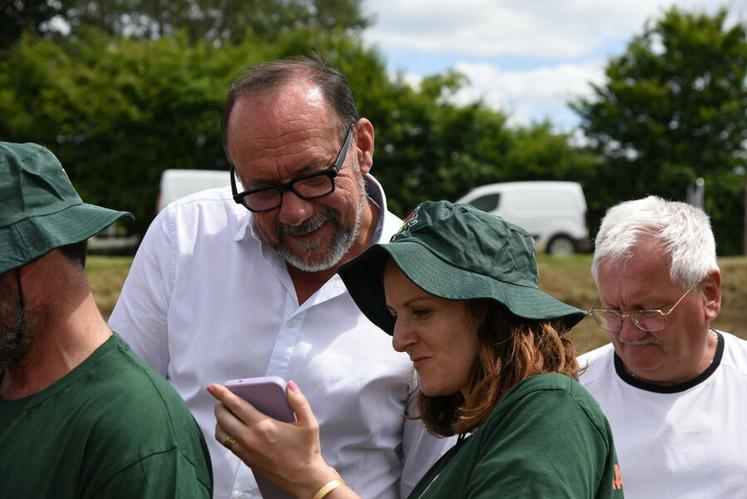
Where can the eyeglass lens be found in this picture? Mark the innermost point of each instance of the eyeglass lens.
(647, 320)
(311, 187)
(308, 187)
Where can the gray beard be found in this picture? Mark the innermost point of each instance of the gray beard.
(341, 243)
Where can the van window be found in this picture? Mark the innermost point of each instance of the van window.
(488, 202)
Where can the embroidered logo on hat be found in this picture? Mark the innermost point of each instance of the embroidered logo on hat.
(409, 221)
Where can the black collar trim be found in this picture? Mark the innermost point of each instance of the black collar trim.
(650, 387)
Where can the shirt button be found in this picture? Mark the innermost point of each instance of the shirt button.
(237, 494)
(293, 323)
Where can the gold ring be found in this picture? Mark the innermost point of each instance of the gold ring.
(229, 442)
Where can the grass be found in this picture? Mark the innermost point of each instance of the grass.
(106, 275)
(569, 279)
(566, 278)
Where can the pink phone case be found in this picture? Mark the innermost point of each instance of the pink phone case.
(267, 395)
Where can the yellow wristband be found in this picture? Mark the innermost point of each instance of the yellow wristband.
(328, 487)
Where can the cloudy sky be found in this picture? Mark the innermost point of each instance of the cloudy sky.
(527, 57)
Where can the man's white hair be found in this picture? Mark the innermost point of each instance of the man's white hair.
(682, 231)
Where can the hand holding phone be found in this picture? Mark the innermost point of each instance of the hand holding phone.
(267, 395)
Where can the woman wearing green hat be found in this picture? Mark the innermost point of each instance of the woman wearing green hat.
(457, 290)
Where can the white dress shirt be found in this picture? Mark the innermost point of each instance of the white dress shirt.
(205, 302)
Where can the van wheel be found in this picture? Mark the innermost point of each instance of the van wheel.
(560, 246)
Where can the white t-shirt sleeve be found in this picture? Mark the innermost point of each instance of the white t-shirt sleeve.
(140, 315)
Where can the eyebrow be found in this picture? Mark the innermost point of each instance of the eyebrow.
(414, 301)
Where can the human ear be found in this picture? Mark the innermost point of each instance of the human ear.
(711, 289)
(364, 144)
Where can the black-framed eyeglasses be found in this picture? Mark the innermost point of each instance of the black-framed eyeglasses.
(650, 321)
(308, 186)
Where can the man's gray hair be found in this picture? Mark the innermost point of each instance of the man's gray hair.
(682, 231)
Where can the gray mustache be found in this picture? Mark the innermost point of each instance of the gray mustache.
(308, 225)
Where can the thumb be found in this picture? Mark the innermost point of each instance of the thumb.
(299, 404)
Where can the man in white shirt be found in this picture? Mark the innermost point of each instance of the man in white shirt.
(240, 284)
(674, 390)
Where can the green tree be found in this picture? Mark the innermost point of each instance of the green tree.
(17, 16)
(674, 108)
(118, 111)
(429, 148)
(216, 21)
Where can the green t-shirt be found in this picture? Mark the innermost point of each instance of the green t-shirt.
(547, 438)
(110, 428)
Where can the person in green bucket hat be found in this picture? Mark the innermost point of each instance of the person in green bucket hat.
(458, 291)
(80, 414)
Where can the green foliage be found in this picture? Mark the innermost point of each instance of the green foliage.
(138, 86)
(429, 148)
(17, 16)
(118, 111)
(674, 108)
(215, 21)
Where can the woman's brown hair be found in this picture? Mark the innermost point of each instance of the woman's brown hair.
(510, 349)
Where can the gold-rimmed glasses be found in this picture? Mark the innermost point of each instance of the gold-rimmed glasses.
(650, 321)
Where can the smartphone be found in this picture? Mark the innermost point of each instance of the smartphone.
(267, 395)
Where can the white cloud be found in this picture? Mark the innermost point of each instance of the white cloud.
(536, 28)
(527, 95)
(525, 57)
(531, 95)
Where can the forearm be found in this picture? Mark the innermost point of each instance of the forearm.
(339, 492)
(326, 484)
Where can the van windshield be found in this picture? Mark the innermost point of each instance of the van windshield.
(488, 203)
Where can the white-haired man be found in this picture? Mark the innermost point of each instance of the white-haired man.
(673, 388)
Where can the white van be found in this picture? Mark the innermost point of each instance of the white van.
(554, 212)
(177, 183)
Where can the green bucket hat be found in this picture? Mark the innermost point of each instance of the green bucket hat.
(40, 209)
(457, 252)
